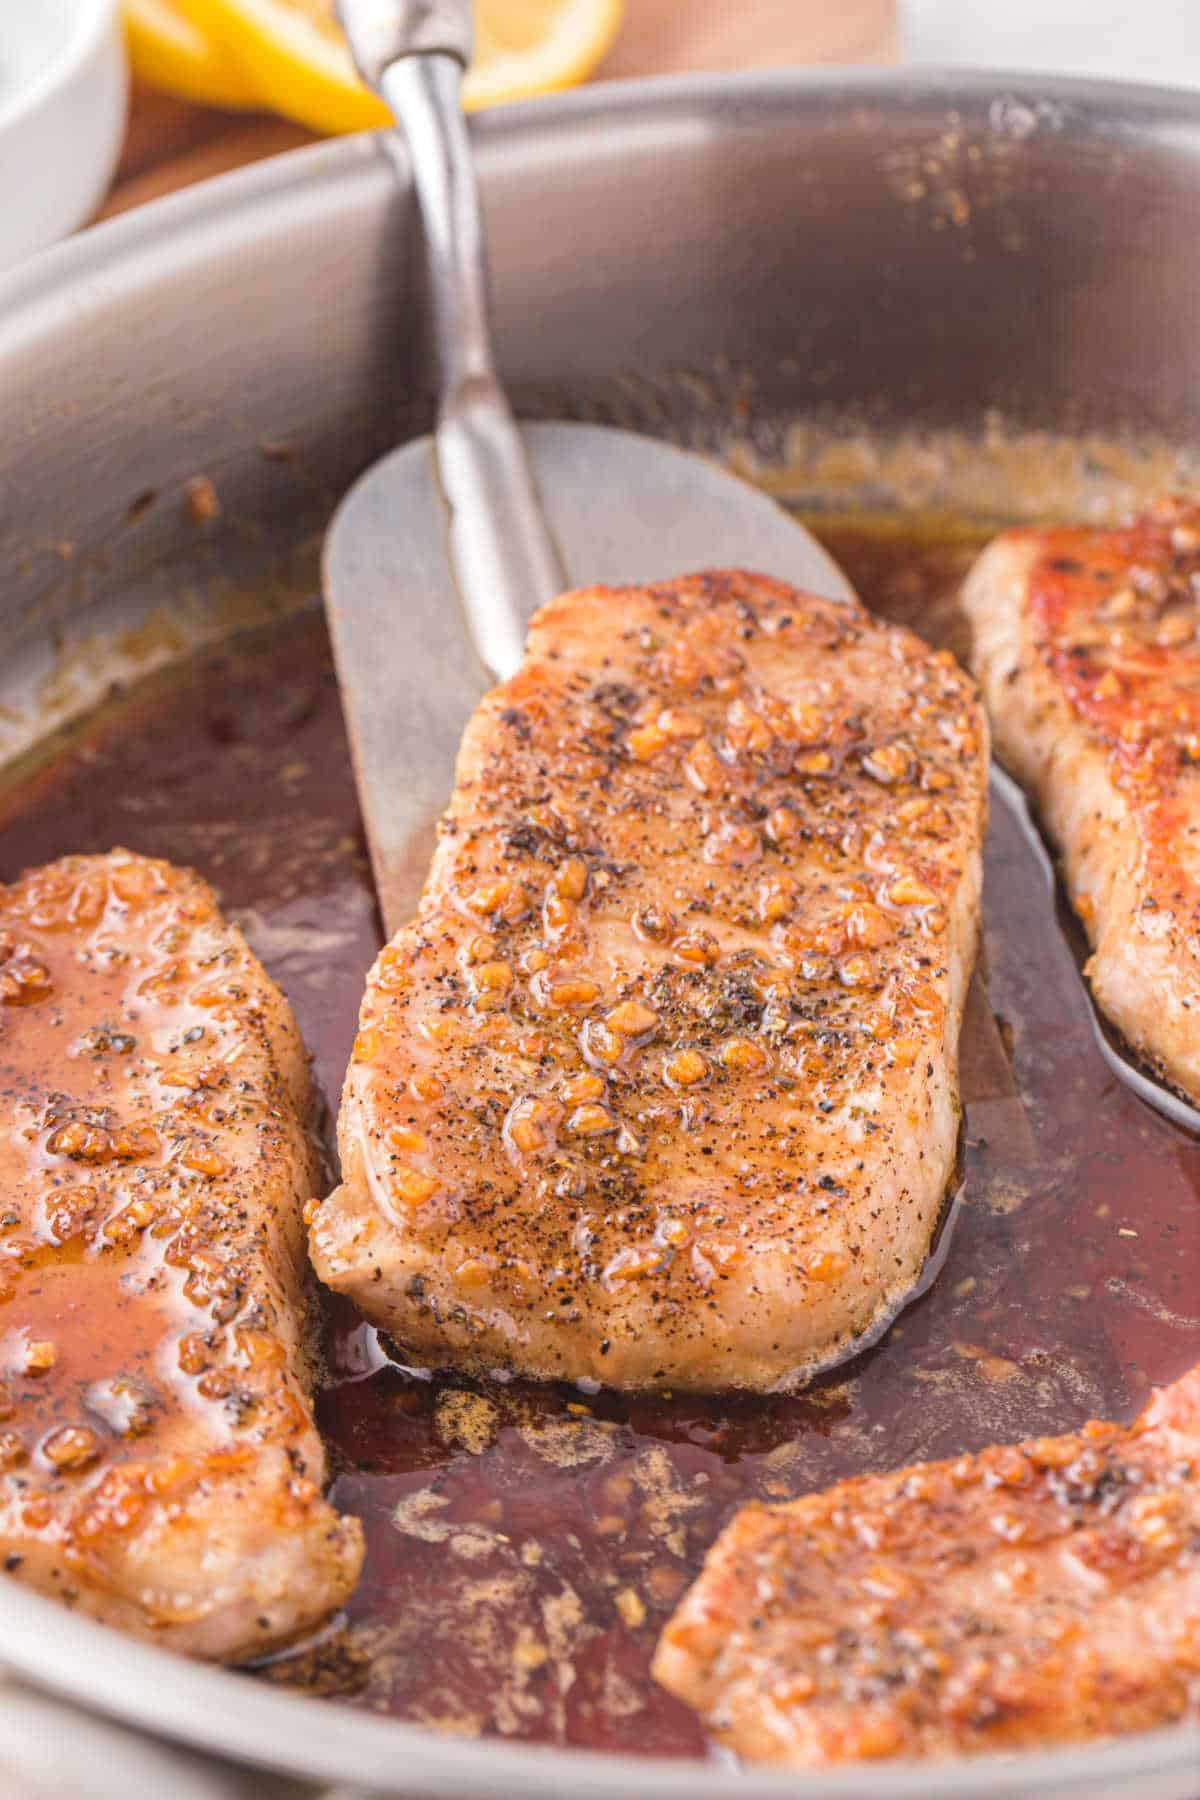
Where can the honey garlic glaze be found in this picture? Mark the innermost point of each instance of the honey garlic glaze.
(526, 1543)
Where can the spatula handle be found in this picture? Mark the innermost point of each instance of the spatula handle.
(504, 559)
(380, 32)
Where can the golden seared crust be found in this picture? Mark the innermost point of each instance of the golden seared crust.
(660, 1086)
(1036, 1594)
(159, 1464)
(1087, 648)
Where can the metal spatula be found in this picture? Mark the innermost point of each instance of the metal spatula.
(437, 557)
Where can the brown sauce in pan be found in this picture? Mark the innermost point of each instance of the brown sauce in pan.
(526, 1544)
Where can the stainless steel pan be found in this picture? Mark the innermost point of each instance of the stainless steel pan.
(710, 259)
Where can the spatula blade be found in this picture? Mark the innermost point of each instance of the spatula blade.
(622, 509)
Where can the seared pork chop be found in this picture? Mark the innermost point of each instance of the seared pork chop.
(660, 1085)
(1028, 1595)
(1087, 649)
(159, 1465)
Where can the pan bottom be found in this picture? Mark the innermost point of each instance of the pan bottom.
(526, 1543)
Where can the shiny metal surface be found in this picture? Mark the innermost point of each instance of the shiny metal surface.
(700, 259)
(485, 497)
(382, 31)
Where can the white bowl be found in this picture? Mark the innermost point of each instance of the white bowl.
(1152, 40)
(63, 92)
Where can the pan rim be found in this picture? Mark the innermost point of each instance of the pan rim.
(46, 289)
(171, 1696)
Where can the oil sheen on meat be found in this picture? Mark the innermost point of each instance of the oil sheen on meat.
(660, 1087)
(1086, 645)
(159, 1464)
(1034, 1594)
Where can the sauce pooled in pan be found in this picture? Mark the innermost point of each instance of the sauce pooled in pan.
(526, 1544)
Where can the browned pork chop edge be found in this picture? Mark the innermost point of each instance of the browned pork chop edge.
(1086, 647)
(159, 1464)
(1038, 1594)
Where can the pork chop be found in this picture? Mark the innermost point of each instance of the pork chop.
(660, 1087)
(159, 1464)
(1027, 1595)
(1086, 646)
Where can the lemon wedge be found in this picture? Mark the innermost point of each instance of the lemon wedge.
(168, 51)
(528, 47)
(290, 54)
